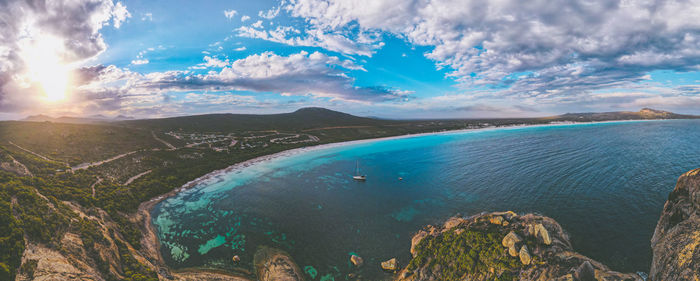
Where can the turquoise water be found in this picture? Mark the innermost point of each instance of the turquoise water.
(605, 183)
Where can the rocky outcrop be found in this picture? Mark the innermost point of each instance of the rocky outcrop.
(275, 265)
(48, 264)
(676, 240)
(501, 246)
(356, 260)
(391, 265)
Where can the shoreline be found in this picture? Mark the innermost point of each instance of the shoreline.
(151, 243)
(213, 175)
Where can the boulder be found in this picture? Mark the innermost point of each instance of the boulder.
(512, 251)
(390, 265)
(585, 272)
(508, 215)
(543, 234)
(525, 257)
(496, 220)
(511, 239)
(531, 230)
(356, 260)
(452, 222)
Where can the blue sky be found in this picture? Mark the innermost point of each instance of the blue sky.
(386, 58)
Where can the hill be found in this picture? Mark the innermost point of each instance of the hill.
(302, 119)
(75, 120)
(644, 113)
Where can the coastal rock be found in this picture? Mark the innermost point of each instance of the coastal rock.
(585, 271)
(511, 239)
(356, 260)
(524, 255)
(416, 239)
(512, 251)
(452, 222)
(479, 250)
(543, 234)
(390, 265)
(496, 220)
(676, 240)
(275, 265)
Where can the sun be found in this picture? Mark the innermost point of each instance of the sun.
(45, 66)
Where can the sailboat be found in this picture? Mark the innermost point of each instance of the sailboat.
(357, 175)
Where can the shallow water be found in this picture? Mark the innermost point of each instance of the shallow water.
(605, 183)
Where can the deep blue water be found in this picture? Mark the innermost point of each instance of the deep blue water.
(605, 183)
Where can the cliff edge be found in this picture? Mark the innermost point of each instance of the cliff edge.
(676, 240)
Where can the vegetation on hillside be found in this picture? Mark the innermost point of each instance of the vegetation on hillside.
(466, 252)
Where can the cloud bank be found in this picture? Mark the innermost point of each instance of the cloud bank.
(537, 48)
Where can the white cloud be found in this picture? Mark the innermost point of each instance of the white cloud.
(244, 18)
(239, 49)
(311, 38)
(147, 17)
(541, 48)
(230, 13)
(270, 14)
(64, 33)
(211, 62)
(119, 14)
(301, 74)
(257, 24)
(139, 61)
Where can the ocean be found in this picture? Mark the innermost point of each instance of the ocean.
(605, 183)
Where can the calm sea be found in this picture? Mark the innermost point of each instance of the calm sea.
(605, 183)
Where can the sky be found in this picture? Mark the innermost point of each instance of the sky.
(381, 58)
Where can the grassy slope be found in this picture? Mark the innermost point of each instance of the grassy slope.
(75, 143)
(302, 119)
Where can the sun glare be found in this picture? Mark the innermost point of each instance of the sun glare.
(42, 57)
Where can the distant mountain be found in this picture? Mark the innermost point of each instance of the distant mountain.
(644, 113)
(39, 118)
(302, 119)
(98, 118)
(316, 117)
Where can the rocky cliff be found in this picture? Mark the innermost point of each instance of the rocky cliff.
(500, 246)
(676, 241)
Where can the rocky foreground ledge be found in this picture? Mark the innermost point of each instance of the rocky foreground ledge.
(676, 241)
(501, 246)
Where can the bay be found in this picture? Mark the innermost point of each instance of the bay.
(605, 183)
